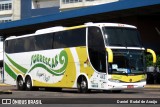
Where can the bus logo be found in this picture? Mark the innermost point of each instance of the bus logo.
(55, 66)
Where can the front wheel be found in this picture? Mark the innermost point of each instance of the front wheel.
(82, 85)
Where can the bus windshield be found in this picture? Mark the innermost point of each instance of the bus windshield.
(120, 36)
(127, 62)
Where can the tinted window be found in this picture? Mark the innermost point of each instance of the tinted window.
(96, 49)
(29, 44)
(60, 39)
(43, 42)
(19, 45)
(63, 39)
(9, 46)
(70, 38)
(122, 37)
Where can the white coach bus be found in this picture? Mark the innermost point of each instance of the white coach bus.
(99, 56)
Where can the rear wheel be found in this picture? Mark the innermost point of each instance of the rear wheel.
(20, 84)
(82, 85)
(28, 83)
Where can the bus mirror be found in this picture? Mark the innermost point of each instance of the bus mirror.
(110, 55)
(153, 55)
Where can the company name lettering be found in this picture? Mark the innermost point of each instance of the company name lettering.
(52, 62)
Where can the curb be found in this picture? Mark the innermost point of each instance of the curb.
(152, 86)
(6, 92)
(1, 84)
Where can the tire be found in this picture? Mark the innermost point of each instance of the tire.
(20, 84)
(82, 85)
(28, 83)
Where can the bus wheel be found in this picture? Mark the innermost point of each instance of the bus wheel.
(28, 83)
(20, 84)
(82, 85)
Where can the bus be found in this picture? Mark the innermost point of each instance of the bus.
(92, 56)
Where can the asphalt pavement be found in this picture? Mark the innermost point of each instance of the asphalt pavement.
(7, 87)
(9, 91)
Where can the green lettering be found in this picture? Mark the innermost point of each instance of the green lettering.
(40, 59)
(56, 60)
(34, 58)
(53, 63)
(43, 59)
(37, 57)
(48, 62)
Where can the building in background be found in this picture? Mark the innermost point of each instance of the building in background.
(74, 4)
(36, 4)
(6, 10)
(36, 8)
(11, 10)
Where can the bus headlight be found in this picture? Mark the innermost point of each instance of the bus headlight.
(113, 80)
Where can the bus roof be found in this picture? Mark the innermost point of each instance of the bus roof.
(110, 25)
(61, 28)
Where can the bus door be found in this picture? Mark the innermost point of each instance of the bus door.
(97, 53)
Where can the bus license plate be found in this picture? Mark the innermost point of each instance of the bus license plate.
(130, 86)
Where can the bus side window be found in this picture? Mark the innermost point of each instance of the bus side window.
(29, 44)
(70, 38)
(19, 45)
(6, 46)
(77, 36)
(44, 41)
(11, 46)
(59, 40)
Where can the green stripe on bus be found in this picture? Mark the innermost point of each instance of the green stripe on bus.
(22, 69)
(10, 72)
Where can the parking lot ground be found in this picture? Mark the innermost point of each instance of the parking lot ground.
(148, 92)
(5, 87)
(153, 86)
(94, 98)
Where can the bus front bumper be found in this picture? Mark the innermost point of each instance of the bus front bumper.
(118, 86)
